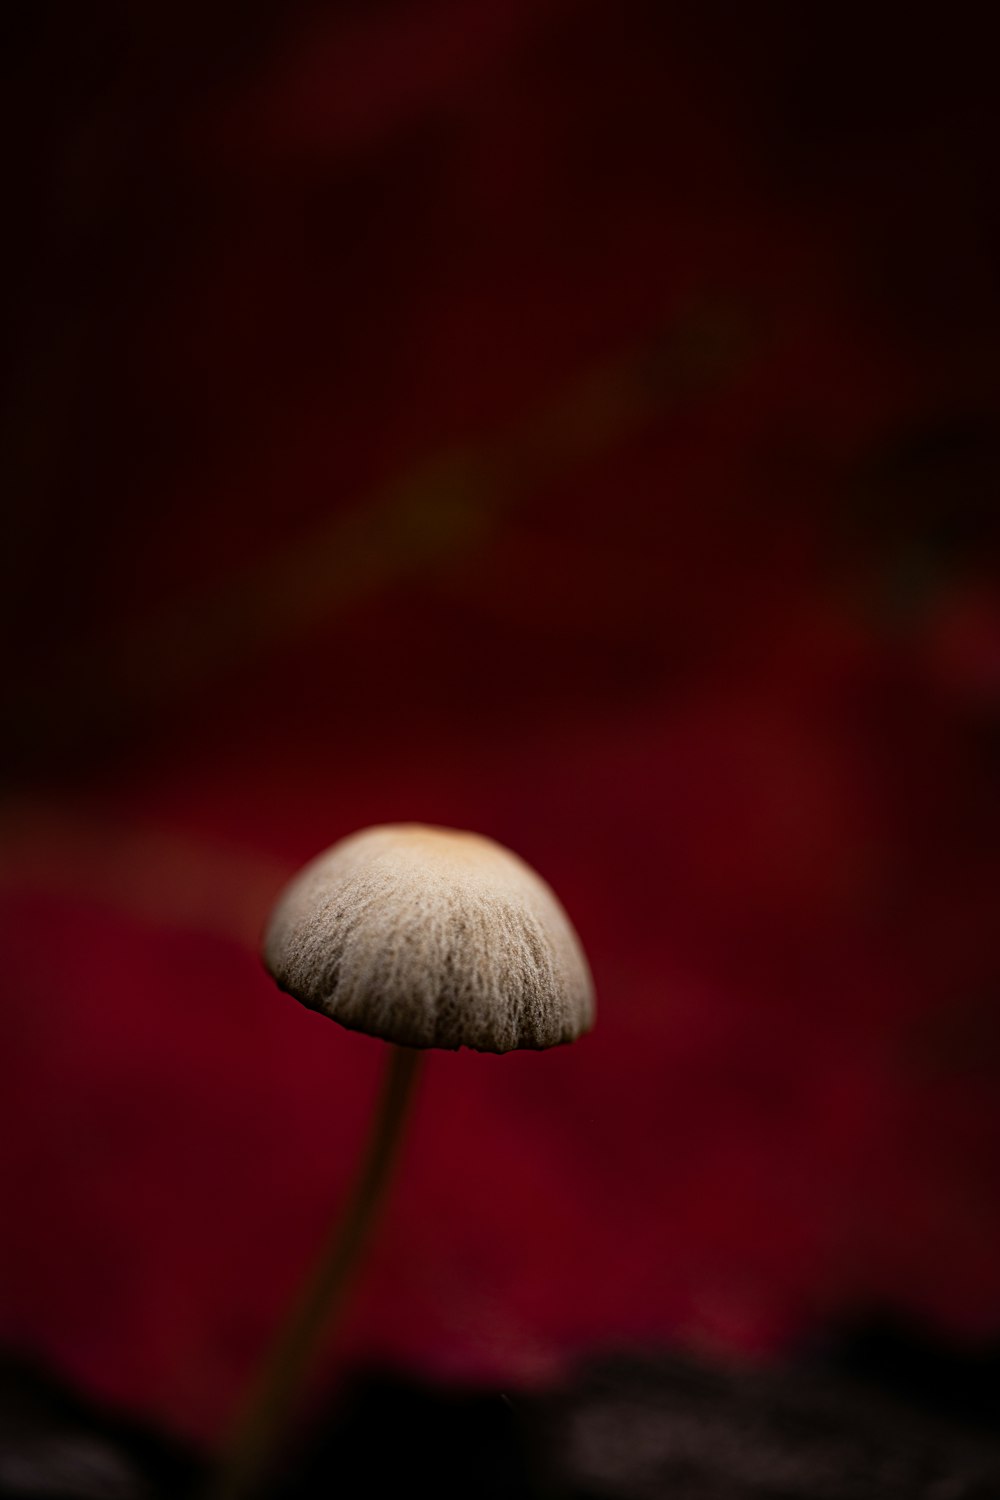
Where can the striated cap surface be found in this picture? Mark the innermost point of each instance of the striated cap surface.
(431, 938)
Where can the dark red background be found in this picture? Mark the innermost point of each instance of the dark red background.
(572, 421)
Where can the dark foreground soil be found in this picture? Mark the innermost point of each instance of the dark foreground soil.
(882, 1417)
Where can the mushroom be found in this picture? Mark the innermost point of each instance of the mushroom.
(425, 937)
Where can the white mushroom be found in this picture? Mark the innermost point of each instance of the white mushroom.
(427, 938)
(431, 938)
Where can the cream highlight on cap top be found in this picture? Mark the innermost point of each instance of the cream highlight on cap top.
(428, 937)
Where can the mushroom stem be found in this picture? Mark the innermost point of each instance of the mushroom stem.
(263, 1419)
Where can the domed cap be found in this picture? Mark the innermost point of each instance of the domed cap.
(431, 938)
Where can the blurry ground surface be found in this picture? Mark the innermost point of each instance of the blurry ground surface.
(912, 1422)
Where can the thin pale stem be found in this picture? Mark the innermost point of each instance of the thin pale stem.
(261, 1424)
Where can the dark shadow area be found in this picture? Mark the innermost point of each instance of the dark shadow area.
(888, 1413)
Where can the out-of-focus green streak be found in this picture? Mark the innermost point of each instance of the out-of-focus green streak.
(443, 511)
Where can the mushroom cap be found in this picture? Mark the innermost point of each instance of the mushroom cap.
(428, 937)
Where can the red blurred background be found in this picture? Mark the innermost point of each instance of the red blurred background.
(571, 421)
